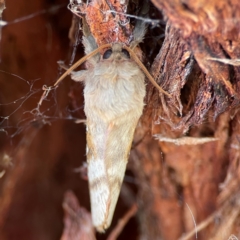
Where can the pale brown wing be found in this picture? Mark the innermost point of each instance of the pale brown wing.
(108, 151)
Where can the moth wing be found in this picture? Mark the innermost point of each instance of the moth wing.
(107, 157)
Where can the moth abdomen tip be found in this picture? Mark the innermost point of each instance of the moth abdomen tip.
(102, 228)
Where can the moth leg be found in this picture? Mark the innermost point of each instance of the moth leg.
(73, 73)
(138, 33)
(89, 43)
(140, 27)
(62, 65)
(79, 76)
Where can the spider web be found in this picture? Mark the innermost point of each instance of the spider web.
(45, 112)
(21, 105)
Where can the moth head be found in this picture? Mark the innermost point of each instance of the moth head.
(116, 52)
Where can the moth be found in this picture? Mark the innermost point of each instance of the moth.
(114, 91)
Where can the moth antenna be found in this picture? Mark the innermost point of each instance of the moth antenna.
(80, 61)
(149, 76)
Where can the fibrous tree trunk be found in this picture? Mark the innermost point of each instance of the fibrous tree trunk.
(198, 63)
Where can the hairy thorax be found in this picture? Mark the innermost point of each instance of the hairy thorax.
(113, 89)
